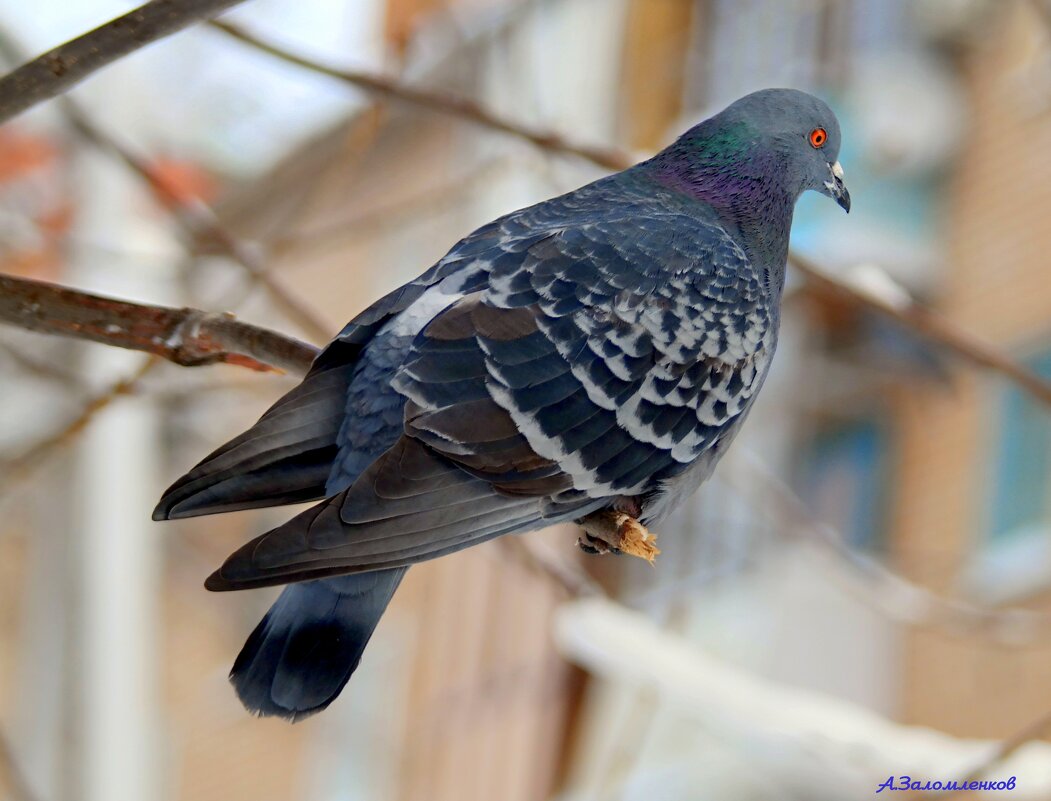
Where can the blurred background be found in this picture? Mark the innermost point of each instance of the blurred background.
(862, 591)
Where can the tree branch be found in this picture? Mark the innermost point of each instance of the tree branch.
(573, 579)
(443, 102)
(28, 460)
(59, 70)
(188, 337)
(881, 588)
(193, 216)
(928, 324)
(41, 369)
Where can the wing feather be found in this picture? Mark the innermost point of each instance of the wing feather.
(410, 505)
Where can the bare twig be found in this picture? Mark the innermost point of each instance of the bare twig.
(39, 368)
(188, 337)
(30, 459)
(449, 103)
(571, 577)
(930, 325)
(882, 588)
(193, 215)
(381, 220)
(60, 69)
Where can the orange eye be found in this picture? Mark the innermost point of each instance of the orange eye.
(818, 137)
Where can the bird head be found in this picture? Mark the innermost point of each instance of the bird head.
(772, 143)
(801, 130)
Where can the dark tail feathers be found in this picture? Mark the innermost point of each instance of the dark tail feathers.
(285, 457)
(301, 654)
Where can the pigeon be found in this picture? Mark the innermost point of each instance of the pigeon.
(596, 352)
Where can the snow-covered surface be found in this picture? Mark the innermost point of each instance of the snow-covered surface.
(766, 741)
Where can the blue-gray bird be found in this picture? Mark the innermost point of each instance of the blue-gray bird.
(597, 351)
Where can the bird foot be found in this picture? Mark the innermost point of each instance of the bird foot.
(608, 531)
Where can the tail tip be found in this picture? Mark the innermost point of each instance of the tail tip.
(216, 583)
(261, 704)
(301, 654)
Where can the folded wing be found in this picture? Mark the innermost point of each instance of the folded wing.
(579, 364)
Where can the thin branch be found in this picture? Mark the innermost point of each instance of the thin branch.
(930, 325)
(571, 577)
(188, 337)
(59, 70)
(913, 316)
(41, 369)
(392, 216)
(196, 218)
(751, 712)
(880, 587)
(32, 458)
(463, 108)
(193, 216)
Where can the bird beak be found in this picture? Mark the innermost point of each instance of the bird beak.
(837, 190)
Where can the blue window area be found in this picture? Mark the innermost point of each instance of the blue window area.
(845, 481)
(1021, 499)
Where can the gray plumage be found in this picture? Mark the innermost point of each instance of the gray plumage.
(599, 347)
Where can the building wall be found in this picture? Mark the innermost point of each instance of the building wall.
(996, 286)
